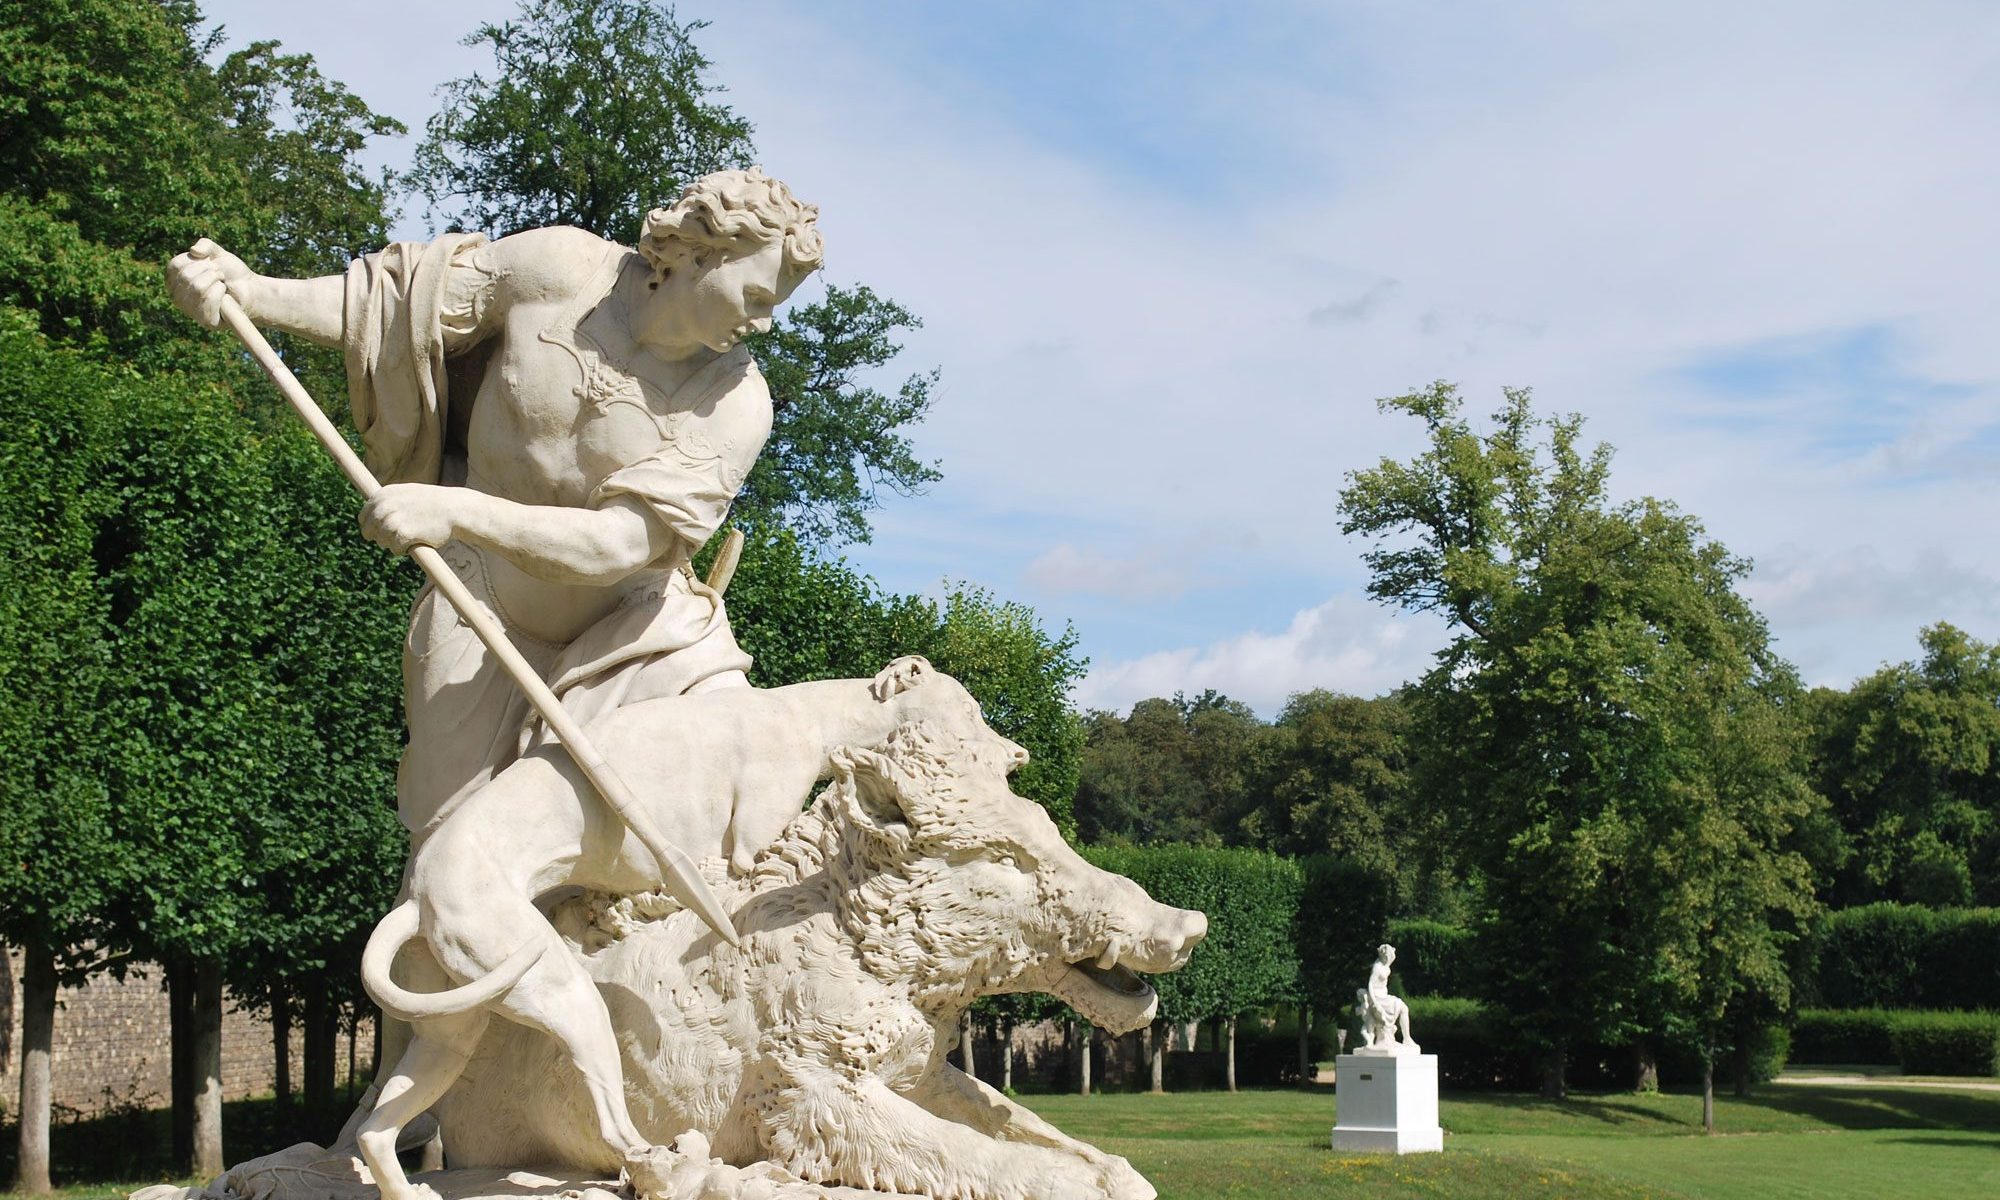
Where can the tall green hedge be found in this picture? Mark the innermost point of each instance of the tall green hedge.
(1918, 1042)
(1433, 958)
(1904, 956)
(1251, 898)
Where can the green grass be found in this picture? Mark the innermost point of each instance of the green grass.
(1788, 1141)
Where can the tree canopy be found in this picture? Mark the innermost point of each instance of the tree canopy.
(1615, 749)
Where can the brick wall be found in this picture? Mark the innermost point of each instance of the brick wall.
(111, 1044)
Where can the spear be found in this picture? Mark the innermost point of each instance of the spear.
(677, 871)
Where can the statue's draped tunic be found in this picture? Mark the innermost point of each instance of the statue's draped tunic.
(407, 310)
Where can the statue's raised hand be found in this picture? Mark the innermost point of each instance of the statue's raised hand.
(200, 278)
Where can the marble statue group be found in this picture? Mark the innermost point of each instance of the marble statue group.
(632, 948)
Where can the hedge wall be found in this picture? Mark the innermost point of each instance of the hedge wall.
(1904, 956)
(1433, 958)
(1916, 1041)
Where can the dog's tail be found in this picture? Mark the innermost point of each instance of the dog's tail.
(401, 926)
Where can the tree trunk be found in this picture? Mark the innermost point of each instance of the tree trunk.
(1083, 1059)
(38, 1026)
(1229, 1062)
(180, 1059)
(1156, 1051)
(1306, 1071)
(965, 1055)
(353, 1031)
(1555, 1074)
(281, 1059)
(206, 1074)
(1007, 1056)
(1708, 1086)
(322, 1034)
(1645, 1067)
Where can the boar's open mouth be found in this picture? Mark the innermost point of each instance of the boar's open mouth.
(1115, 997)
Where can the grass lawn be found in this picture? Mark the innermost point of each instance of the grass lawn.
(1788, 1141)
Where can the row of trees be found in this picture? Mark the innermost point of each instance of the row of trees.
(1608, 774)
(202, 711)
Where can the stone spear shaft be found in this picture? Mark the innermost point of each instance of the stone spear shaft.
(678, 872)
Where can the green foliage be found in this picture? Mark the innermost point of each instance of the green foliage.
(107, 121)
(1251, 898)
(835, 441)
(1020, 673)
(1171, 771)
(803, 616)
(1905, 956)
(61, 862)
(1343, 915)
(1608, 740)
(1861, 1036)
(597, 111)
(1435, 959)
(1908, 758)
(1334, 780)
(1947, 1043)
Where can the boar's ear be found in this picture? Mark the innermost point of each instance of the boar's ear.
(876, 791)
(899, 677)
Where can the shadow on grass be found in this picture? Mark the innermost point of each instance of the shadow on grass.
(1592, 1108)
(1881, 1108)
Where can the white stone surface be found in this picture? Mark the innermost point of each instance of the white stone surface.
(1386, 1104)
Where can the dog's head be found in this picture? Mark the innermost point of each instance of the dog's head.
(974, 889)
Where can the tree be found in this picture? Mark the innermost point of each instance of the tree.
(1907, 758)
(835, 443)
(121, 146)
(1179, 770)
(1611, 742)
(1334, 780)
(1248, 959)
(599, 110)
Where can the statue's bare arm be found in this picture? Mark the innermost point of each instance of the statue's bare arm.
(562, 545)
(535, 265)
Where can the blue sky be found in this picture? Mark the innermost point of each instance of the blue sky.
(1169, 254)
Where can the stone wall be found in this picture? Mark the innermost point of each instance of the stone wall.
(111, 1044)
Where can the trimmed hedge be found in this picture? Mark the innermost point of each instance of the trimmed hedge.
(1433, 958)
(1947, 1043)
(1904, 956)
(1859, 1036)
(1916, 1041)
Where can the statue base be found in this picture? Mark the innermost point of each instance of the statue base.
(1387, 1104)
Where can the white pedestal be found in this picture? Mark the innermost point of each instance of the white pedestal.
(1386, 1104)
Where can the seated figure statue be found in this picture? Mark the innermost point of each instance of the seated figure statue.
(1383, 1016)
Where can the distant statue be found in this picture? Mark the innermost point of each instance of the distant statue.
(1383, 1017)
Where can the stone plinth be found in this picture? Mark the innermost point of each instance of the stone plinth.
(1387, 1103)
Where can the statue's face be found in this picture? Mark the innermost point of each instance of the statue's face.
(717, 299)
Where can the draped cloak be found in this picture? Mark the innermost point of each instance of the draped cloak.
(412, 312)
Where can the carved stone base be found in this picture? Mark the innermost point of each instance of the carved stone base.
(1387, 1103)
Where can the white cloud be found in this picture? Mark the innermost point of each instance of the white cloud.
(1347, 644)
(1569, 196)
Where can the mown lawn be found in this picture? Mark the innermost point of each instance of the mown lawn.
(1788, 1141)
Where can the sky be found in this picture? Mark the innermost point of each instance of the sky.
(1168, 255)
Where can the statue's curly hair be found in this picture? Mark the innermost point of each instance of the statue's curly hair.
(736, 212)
